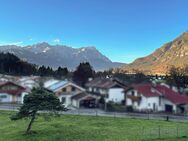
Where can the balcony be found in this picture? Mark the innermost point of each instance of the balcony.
(134, 98)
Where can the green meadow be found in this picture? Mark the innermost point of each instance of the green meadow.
(85, 128)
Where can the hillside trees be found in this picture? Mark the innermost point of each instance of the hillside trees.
(11, 64)
(178, 77)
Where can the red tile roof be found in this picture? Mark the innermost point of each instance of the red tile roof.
(173, 96)
(12, 92)
(145, 89)
(149, 90)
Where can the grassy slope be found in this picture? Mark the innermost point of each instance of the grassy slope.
(78, 128)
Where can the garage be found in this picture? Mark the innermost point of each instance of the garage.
(168, 108)
(84, 100)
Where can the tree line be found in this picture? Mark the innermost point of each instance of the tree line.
(11, 64)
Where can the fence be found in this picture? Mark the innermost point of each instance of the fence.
(164, 132)
(98, 112)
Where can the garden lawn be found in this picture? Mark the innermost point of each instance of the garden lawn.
(80, 128)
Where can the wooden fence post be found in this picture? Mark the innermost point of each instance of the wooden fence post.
(177, 131)
(159, 132)
(96, 113)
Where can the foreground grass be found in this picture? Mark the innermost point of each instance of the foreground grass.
(79, 128)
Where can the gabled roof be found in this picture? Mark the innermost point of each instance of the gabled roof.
(12, 92)
(148, 90)
(8, 83)
(61, 84)
(104, 83)
(145, 89)
(83, 95)
(172, 96)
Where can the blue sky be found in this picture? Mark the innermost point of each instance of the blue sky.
(121, 29)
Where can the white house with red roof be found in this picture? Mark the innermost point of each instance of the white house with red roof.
(11, 92)
(156, 98)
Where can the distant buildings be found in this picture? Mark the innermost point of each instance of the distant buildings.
(11, 92)
(111, 90)
(156, 98)
(28, 82)
(150, 97)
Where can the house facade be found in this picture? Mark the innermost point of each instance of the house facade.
(65, 90)
(158, 98)
(111, 90)
(11, 92)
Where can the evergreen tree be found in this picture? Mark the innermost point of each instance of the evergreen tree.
(38, 100)
(83, 72)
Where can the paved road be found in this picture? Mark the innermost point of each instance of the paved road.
(98, 112)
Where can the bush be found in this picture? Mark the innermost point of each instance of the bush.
(114, 107)
(129, 109)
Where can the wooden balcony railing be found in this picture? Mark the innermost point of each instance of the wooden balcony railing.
(134, 98)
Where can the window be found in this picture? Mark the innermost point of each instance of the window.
(73, 89)
(9, 87)
(154, 106)
(64, 90)
(159, 101)
(3, 96)
(63, 99)
(132, 93)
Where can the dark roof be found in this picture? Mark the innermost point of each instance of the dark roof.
(78, 96)
(104, 83)
(82, 95)
(148, 90)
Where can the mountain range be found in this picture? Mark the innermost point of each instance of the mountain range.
(60, 55)
(174, 53)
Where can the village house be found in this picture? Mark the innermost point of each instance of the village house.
(28, 82)
(111, 90)
(65, 90)
(156, 98)
(11, 92)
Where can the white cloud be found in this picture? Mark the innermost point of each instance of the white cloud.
(11, 43)
(30, 39)
(56, 40)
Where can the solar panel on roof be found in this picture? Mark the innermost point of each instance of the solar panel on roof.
(57, 85)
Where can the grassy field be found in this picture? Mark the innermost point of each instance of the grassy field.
(80, 128)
